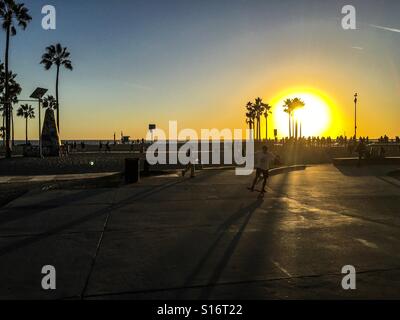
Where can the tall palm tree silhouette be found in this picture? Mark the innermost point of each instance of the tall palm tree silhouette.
(58, 56)
(250, 115)
(11, 14)
(26, 111)
(2, 105)
(259, 111)
(267, 112)
(14, 91)
(288, 108)
(297, 103)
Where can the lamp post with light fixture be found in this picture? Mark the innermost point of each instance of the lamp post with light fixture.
(355, 115)
(38, 95)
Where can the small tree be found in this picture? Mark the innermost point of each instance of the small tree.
(27, 112)
(49, 102)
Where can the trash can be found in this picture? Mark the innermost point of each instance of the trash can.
(132, 170)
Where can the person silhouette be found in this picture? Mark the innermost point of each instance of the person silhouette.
(361, 150)
(263, 162)
(190, 166)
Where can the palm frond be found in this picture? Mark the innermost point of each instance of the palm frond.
(56, 55)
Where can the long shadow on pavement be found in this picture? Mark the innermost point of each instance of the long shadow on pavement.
(242, 212)
(71, 199)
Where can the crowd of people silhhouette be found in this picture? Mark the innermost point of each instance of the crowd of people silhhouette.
(319, 142)
(342, 141)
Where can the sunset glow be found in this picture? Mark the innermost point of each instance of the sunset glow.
(316, 117)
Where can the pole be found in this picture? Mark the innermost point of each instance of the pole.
(355, 115)
(40, 131)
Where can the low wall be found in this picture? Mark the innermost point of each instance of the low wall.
(355, 161)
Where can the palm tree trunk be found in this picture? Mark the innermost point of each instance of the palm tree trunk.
(26, 131)
(58, 106)
(3, 132)
(257, 128)
(7, 93)
(290, 127)
(266, 128)
(12, 127)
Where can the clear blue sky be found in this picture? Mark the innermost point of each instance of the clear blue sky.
(199, 62)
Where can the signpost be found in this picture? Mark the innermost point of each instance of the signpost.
(38, 94)
(355, 115)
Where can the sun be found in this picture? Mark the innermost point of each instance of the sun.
(314, 119)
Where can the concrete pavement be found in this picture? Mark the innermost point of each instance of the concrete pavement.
(52, 178)
(208, 237)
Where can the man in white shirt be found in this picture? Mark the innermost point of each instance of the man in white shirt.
(262, 163)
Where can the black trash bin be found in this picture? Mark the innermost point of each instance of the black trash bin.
(132, 170)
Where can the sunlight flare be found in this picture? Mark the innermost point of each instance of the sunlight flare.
(314, 119)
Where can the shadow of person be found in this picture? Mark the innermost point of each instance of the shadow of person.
(243, 213)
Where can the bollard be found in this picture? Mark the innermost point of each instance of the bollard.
(132, 170)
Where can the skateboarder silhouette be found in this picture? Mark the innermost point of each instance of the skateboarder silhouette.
(263, 161)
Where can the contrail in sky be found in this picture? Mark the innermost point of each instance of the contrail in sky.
(385, 28)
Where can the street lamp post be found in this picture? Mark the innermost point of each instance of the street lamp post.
(355, 115)
(38, 94)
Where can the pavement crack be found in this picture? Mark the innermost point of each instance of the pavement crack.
(231, 283)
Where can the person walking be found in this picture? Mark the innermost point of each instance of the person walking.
(361, 150)
(190, 166)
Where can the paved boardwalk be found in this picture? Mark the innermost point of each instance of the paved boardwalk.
(50, 178)
(208, 237)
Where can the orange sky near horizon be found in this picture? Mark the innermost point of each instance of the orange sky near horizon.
(228, 111)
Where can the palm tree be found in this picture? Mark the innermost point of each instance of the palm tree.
(267, 112)
(288, 105)
(250, 115)
(249, 120)
(26, 111)
(49, 102)
(259, 111)
(14, 91)
(58, 56)
(297, 104)
(11, 14)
